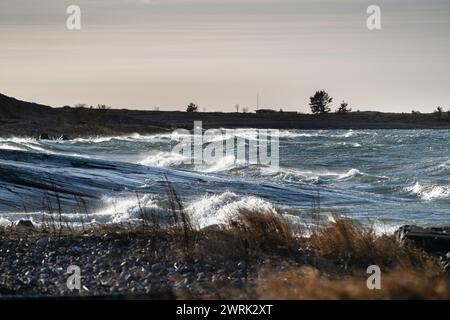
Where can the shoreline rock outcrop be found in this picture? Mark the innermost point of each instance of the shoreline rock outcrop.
(433, 240)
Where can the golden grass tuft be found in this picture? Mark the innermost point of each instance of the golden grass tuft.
(265, 231)
(352, 246)
(307, 283)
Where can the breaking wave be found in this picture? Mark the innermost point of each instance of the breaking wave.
(428, 192)
(350, 174)
(205, 211)
(217, 209)
(165, 159)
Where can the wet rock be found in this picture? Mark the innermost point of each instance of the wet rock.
(77, 250)
(127, 277)
(432, 240)
(65, 137)
(45, 270)
(44, 136)
(33, 281)
(42, 242)
(445, 263)
(200, 276)
(24, 224)
(324, 264)
(157, 267)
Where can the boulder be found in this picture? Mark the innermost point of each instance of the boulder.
(432, 240)
(44, 136)
(445, 262)
(24, 224)
(65, 137)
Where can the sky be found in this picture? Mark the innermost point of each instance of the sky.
(142, 54)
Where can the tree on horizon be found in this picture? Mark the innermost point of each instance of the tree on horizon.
(320, 102)
(439, 110)
(192, 107)
(343, 108)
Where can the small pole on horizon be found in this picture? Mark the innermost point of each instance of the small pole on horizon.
(257, 101)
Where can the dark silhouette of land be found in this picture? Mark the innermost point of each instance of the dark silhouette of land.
(20, 118)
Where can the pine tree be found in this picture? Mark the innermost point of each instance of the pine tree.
(320, 102)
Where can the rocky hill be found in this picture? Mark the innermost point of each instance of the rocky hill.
(13, 108)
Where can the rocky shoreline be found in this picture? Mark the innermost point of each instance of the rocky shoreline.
(433, 240)
(145, 263)
(112, 264)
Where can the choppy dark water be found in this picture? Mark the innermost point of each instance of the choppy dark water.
(383, 177)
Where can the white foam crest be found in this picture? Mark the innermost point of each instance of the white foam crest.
(204, 211)
(4, 222)
(135, 137)
(348, 134)
(131, 137)
(92, 140)
(39, 146)
(17, 140)
(39, 218)
(322, 133)
(247, 134)
(36, 145)
(23, 144)
(292, 175)
(351, 144)
(226, 163)
(429, 192)
(130, 208)
(351, 174)
(6, 146)
(115, 210)
(172, 159)
(381, 228)
(294, 134)
(218, 209)
(165, 159)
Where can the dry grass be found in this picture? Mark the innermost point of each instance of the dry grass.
(307, 283)
(330, 264)
(352, 246)
(263, 231)
(407, 272)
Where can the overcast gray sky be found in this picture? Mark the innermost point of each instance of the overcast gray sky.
(218, 53)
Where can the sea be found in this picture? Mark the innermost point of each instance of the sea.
(380, 178)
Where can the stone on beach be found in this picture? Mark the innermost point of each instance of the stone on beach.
(25, 224)
(432, 240)
(44, 136)
(42, 242)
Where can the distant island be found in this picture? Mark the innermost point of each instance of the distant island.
(20, 118)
